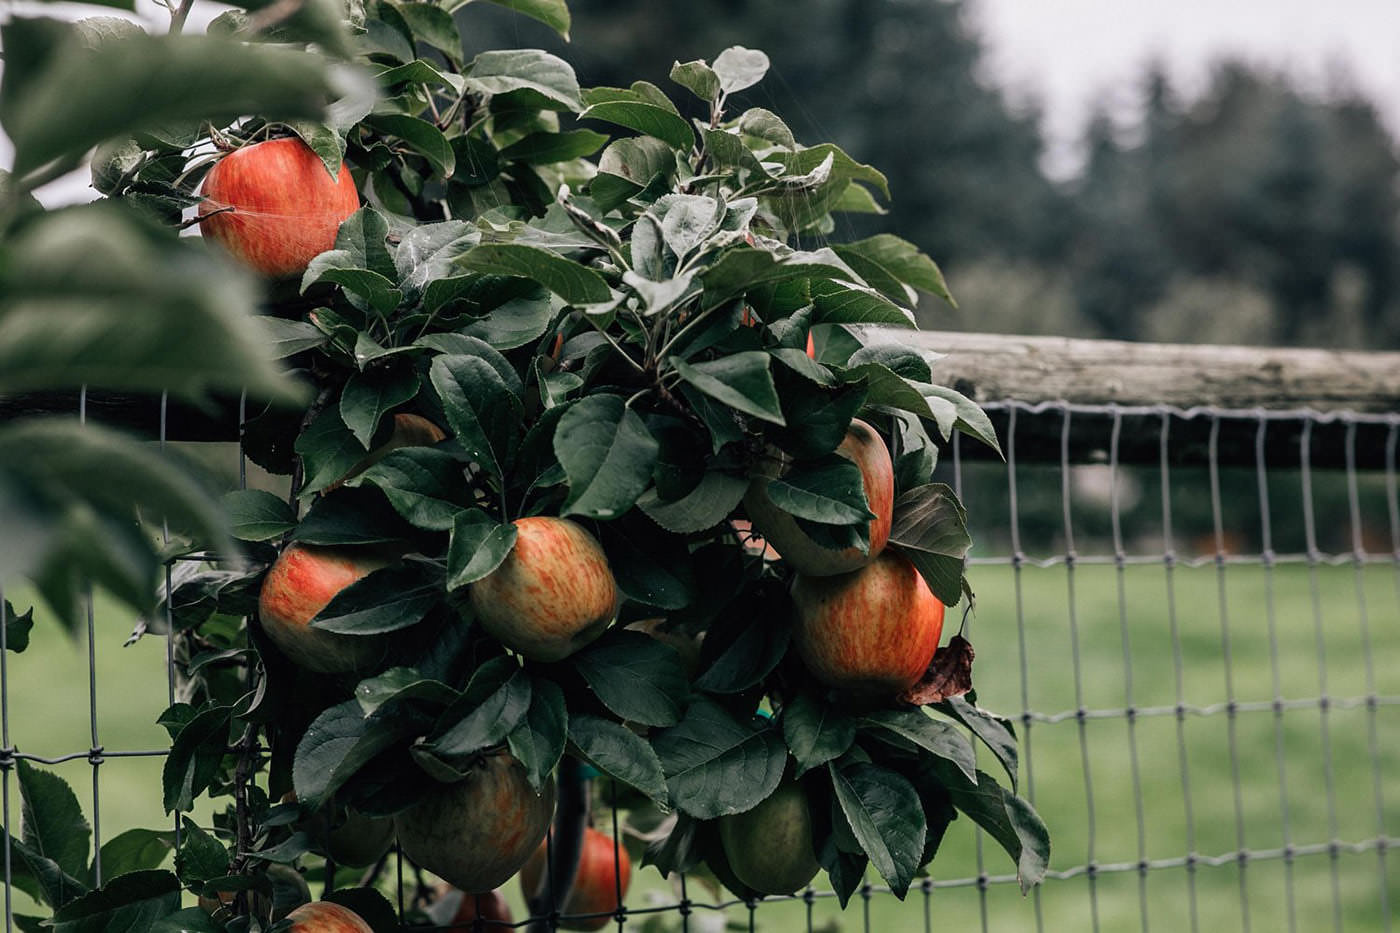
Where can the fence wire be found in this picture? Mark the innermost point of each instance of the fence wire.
(1200, 658)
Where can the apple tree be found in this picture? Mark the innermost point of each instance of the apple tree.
(603, 456)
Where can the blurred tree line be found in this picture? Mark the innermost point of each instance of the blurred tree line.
(1256, 212)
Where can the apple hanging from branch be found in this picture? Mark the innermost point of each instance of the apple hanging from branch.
(300, 583)
(602, 866)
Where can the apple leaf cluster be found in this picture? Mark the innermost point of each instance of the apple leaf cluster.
(591, 386)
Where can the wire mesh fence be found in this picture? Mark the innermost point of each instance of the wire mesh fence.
(1193, 621)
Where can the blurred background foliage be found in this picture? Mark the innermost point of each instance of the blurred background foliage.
(1257, 211)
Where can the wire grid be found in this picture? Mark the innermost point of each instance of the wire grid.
(1076, 895)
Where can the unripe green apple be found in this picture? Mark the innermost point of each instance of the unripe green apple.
(477, 832)
(274, 207)
(864, 447)
(769, 848)
(552, 595)
(326, 917)
(300, 583)
(601, 864)
(873, 631)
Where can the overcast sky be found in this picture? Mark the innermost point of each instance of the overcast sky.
(1068, 52)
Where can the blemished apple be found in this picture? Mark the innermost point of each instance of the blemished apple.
(873, 631)
(476, 833)
(552, 595)
(300, 583)
(769, 848)
(326, 917)
(410, 430)
(601, 864)
(274, 207)
(864, 447)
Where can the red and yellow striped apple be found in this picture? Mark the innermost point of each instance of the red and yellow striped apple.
(300, 583)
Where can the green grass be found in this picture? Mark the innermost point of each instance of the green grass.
(48, 715)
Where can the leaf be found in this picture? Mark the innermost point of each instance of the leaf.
(339, 742)
(329, 451)
(288, 338)
(479, 545)
(135, 850)
(848, 303)
(257, 515)
(709, 503)
(971, 419)
(687, 220)
(621, 753)
(398, 684)
(766, 125)
(423, 484)
(930, 528)
(904, 261)
(940, 739)
(740, 380)
(81, 95)
(607, 453)
(130, 902)
(698, 78)
(504, 71)
(829, 490)
(553, 13)
(421, 136)
(574, 283)
(636, 111)
(994, 731)
(41, 877)
(550, 148)
(352, 516)
(746, 642)
(480, 408)
(94, 295)
(715, 765)
(16, 626)
(385, 600)
(194, 758)
(1008, 819)
(365, 902)
(538, 741)
(369, 396)
(54, 827)
(738, 68)
(433, 25)
(885, 814)
(816, 731)
(201, 856)
(489, 710)
(637, 677)
(949, 674)
(323, 140)
(515, 323)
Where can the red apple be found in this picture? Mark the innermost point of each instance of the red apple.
(490, 907)
(409, 431)
(595, 886)
(864, 447)
(769, 848)
(300, 583)
(872, 631)
(476, 833)
(552, 595)
(274, 206)
(326, 917)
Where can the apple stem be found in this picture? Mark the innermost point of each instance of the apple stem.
(196, 221)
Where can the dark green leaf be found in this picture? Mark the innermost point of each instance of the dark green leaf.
(136, 850)
(538, 742)
(352, 516)
(930, 528)
(515, 323)
(433, 25)
(480, 407)
(201, 856)
(903, 260)
(971, 419)
(706, 505)
(938, 738)
(715, 765)
(257, 515)
(636, 676)
(425, 486)
(847, 303)
(1008, 819)
(339, 742)
(368, 904)
(54, 827)
(574, 283)
(329, 451)
(478, 547)
(994, 731)
(288, 338)
(369, 396)
(636, 111)
(16, 627)
(504, 71)
(621, 753)
(816, 731)
(386, 600)
(421, 136)
(829, 490)
(488, 712)
(553, 13)
(131, 902)
(608, 454)
(548, 148)
(740, 380)
(194, 758)
(886, 816)
(698, 78)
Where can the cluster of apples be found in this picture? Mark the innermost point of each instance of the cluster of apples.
(866, 620)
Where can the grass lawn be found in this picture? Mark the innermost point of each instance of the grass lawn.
(1255, 777)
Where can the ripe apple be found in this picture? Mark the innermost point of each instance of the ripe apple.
(864, 447)
(769, 848)
(300, 583)
(274, 207)
(872, 631)
(477, 832)
(409, 431)
(461, 910)
(326, 917)
(552, 595)
(595, 886)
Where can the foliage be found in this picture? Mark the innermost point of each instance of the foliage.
(601, 302)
